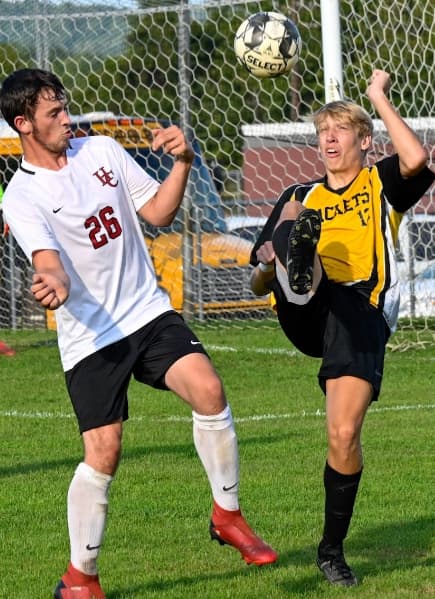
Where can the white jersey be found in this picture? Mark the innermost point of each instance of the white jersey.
(87, 212)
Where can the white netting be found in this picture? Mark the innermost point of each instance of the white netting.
(175, 61)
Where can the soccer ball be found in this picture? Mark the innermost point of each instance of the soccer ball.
(268, 44)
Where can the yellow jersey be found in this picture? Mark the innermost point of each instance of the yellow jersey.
(360, 225)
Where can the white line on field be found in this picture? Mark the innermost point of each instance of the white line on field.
(302, 414)
(256, 350)
(177, 419)
(255, 418)
(283, 351)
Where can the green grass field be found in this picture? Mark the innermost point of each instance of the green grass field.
(157, 542)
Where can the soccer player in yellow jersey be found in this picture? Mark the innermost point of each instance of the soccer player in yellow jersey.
(327, 255)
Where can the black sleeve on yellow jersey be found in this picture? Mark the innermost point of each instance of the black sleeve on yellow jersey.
(266, 233)
(402, 193)
(299, 190)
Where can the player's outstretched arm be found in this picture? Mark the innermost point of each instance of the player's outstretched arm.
(162, 208)
(412, 155)
(51, 284)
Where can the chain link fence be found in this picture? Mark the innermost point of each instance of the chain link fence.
(175, 61)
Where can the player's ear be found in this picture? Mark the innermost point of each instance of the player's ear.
(23, 125)
(366, 142)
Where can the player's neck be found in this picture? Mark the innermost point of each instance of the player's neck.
(341, 179)
(44, 159)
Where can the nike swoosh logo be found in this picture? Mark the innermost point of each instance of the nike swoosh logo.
(224, 488)
(89, 548)
(56, 210)
(195, 342)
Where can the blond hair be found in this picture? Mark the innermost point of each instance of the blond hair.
(345, 110)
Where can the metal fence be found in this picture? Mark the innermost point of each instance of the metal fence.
(175, 60)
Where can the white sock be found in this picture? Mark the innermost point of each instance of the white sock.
(216, 443)
(87, 509)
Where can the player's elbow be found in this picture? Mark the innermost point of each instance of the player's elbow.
(157, 214)
(414, 162)
(161, 220)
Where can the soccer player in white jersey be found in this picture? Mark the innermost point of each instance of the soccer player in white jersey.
(72, 205)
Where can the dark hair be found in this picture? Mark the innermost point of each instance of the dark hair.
(21, 91)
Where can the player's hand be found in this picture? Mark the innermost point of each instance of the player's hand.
(380, 81)
(261, 276)
(265, 253)
(49, 290)
(173, 141)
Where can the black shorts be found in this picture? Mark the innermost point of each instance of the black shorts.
(98, 384)
(341, 327)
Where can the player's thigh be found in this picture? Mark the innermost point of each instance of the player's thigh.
(194, 379)
(304, 325)
(98, 385)
(174, 358)
(355, 340)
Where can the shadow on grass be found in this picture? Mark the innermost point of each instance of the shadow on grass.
(185, 586)
(132, 453)
(377, 551)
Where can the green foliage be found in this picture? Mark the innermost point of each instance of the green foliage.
(181, 65)
(83, 38)
(391, 46)
(153, 63)
(13, 57)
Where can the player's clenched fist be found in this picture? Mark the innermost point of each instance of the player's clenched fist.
(49, 290)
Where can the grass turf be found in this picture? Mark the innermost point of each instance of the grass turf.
(157, 542)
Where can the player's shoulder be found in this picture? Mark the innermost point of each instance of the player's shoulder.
(388, 165)
(18, 184)
(19, 194)
(92, 149)
(298, 191)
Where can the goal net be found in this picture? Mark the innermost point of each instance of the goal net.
(175, 61)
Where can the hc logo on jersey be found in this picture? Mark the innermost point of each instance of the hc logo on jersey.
(105, 177)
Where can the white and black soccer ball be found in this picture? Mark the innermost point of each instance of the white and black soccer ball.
(268, 44)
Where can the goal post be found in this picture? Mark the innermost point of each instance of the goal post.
(331, 50)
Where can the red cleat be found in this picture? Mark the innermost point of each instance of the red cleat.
(230, 528)
(5, 350)
(77, 585)
(75, 593)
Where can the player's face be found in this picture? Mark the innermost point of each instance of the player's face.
(340, 146)
(51, 124)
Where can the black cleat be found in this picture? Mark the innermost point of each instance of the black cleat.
(334, 567)
(302, 244)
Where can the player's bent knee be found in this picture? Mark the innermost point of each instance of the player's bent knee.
(344, 439)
